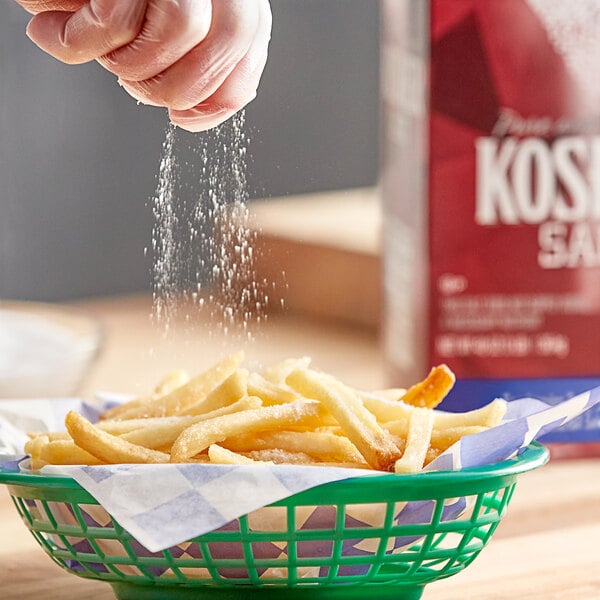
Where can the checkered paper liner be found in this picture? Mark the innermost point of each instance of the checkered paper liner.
(163, 506)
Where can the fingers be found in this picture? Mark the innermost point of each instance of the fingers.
(170, 30)
(98, 27)
(238, 90)
(202, 59)
(38, 6)
(202, 71)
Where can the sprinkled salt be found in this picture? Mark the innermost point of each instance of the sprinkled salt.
(202, 244)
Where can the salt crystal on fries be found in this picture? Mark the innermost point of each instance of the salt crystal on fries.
(166, 432)
(222, 456)
(288, 413)
(359, 425)
(320, 445)
(280, 457)
(200, 436)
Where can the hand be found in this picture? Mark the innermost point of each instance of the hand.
(202, 59)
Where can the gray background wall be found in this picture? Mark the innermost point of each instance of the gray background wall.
(79, 158)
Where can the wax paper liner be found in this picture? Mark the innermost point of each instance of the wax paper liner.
(162, 506)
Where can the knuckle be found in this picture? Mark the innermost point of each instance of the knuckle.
(120, 22)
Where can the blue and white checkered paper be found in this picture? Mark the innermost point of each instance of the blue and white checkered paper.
(164, 505)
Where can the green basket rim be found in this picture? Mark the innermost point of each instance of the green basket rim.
(533, 456)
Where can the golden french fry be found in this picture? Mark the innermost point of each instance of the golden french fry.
(489, 415)
(106, 447)
(324, 446)
(33, 448)
(432, 454)
(164, 434)
(383, 409)
(228, 392)
(278, 372)
(200, 436)
(269, 392)
(66, 452)
(115, 412)
(223, 456)
(129, 425)
(280, 457)
(51, 435)
(200, 459)
(386, 411)
(360, 426)
(440, 438)
(444, 438)
(35, 464)
(432, 390)
(288, 414)
(171, 381)
(417, 442)
(185, 396)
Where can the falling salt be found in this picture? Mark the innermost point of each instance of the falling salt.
(203, 247)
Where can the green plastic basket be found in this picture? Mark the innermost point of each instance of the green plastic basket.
(391, 534)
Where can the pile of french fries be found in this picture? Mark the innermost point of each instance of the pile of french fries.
(288, 413)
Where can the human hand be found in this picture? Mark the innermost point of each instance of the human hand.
(201, 59)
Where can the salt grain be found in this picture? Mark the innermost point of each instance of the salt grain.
(201, 239)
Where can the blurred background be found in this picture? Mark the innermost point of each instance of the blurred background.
(79, 159)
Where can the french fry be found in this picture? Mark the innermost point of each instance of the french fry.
(487, 416)
(359, 425)
(33, 447)
(319, 445)
(280, 457)
(432, 390)
(66, 452)
(228, 392)
(200, 436)
(271, 393)
(383, 409)
(106, 447)
(386, 410)
(185, 396)
(432, 454)
(278, 372)
(166, 385)
(164, 434)
(128, 425)
(170, 382)
(417, 442)
(440, 438)
(115, 412)
(223, 456)
(289, 413)
(51, 435)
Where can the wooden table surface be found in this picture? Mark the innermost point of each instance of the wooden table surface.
(546, 548)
